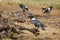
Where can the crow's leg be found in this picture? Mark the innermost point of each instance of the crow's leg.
(36, 27)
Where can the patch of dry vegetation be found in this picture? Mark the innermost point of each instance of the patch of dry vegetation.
(52, 21)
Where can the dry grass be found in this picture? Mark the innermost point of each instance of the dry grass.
(54, 3)
(52, 31)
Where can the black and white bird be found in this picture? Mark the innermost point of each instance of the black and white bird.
(23, 7)
(37, 23)
(47, 10)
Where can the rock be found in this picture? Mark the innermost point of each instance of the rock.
(3, 34)
(5, 15)
(3, 28)
(14, 36)
(20, 20)
(54, 33)
(47, 38)
(32, 30)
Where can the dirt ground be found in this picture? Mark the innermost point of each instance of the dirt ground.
(52, 21)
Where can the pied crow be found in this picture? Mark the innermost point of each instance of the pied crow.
(23, 7)
(37, 23)
(48, 10)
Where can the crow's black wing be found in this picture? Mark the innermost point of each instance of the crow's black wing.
(35, 22)
(38, 23)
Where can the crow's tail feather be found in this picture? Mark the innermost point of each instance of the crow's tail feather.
(42, 26)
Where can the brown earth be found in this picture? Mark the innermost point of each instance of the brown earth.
(52, 21)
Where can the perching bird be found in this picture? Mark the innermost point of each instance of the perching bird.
(47, 10)
(37, 23)
(24, 7)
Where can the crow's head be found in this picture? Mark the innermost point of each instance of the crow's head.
(30, 15)
(43, 8)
